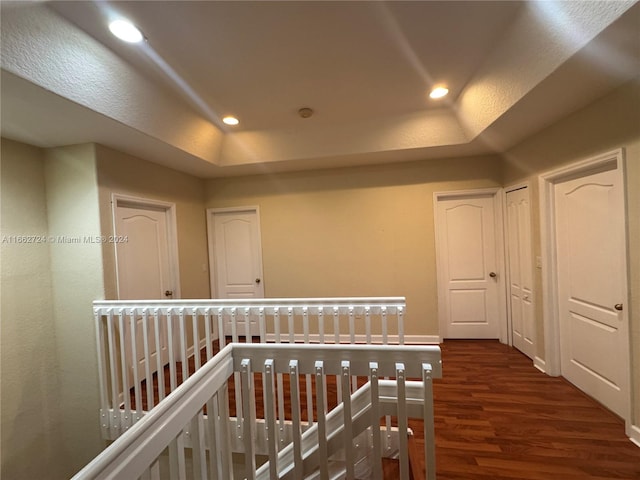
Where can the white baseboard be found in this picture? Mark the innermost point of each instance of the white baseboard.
(540, 364)
(633, 432)
(422, 339)
(359, 338)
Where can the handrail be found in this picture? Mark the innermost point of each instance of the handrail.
(131, 455)
(393, 302)
(137, 338)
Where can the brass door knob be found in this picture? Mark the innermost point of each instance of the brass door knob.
(493, 274)
(168, 293)
(618, 306)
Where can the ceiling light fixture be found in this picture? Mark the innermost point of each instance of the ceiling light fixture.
(126, 31)
(305, 112)
(439, 92)
(230, 120)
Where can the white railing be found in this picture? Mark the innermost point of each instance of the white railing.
(147, 348)
(188, 436)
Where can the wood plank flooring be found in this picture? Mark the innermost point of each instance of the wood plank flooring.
(499, 418)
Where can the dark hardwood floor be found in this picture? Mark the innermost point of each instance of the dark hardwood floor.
(499, 418)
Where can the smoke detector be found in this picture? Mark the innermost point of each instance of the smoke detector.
(305, 112)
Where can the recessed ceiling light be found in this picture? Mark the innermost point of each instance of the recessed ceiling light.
(126, 31)
(230, 120)
(439, 92)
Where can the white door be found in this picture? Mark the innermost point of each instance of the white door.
(594, 336)
(467, 267)
(144, 269)
(144, 265)
(520, 288)
(235, 246)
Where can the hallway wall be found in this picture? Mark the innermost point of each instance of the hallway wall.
(365, 231)
(610, 123)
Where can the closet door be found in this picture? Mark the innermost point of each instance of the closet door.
(520, 288)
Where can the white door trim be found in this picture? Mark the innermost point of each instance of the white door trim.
(550, 303)
(211, 242)
(498, 202)
(512, 188)
(122, 200)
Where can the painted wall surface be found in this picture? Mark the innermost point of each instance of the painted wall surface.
(29, 376)
(610, 123)
(76, 274)
(366, 231)
(124, 174)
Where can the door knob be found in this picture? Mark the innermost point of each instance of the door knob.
(618, 306)
(168, 293)
(493, 275)
(257, 280)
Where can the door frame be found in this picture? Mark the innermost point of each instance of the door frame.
(507, 272)
(550, 301)
(498, 202)
(211, 241)
(123, 200)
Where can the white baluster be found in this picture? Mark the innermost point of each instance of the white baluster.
(322, 342)
(308, 377)
(249, 415)
(336, 335)
(115, 387)
(402, 421)
(234, 325)
(147, 359)
(159, 363)
(280, 381)
(196, 340)
(367, 324)
(383, 320)
(262, 324)
(270, 418)
(429, 426)
(172, 354)
(222, 336)
(348, 419)
(247, 326)
(236, 375)
(322, 420)
(134, 367)
(294, 384)
(208, 334)
(375, 421)
(290, 325)
(183, 344)
(126, 422)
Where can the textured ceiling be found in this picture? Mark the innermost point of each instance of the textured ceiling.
(364, 67)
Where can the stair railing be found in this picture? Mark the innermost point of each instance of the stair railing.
(188, 436)
(147, 348)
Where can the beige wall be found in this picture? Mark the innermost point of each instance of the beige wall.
(76, 274)
(610, 123)
(364, 231)
(30, 419)
(124, 174)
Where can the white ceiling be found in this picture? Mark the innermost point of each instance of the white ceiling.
(364, 67)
